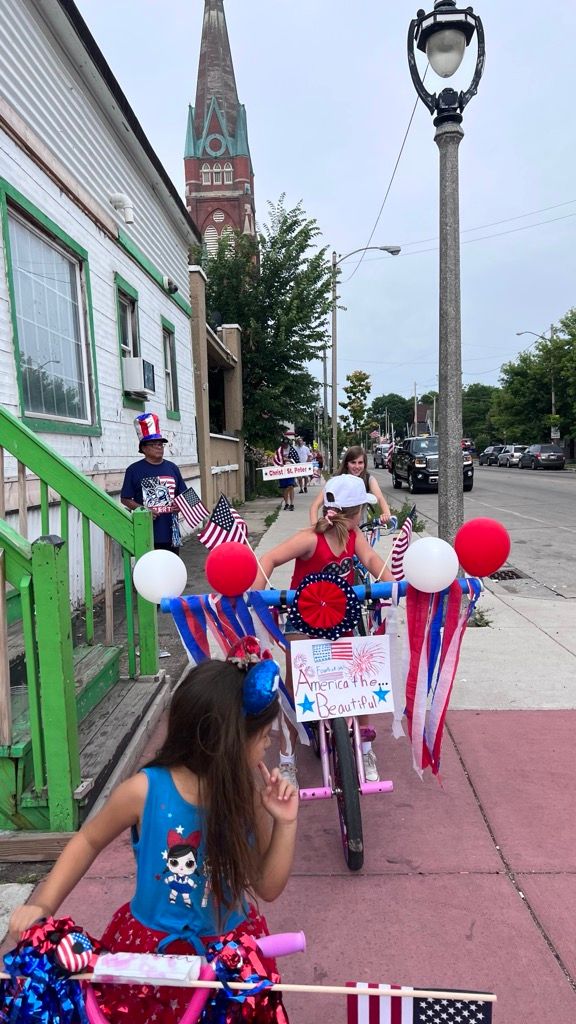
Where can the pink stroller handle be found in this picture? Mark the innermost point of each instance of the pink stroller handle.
(270, 945)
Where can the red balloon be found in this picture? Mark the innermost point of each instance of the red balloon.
(482, 546)
(231, 568)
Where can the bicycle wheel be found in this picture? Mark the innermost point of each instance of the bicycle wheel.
(347, 794)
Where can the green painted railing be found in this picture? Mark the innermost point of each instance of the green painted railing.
(39, 576)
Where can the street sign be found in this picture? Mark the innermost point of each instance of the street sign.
(554, 433)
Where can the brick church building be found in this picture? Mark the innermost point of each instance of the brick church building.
(217, 163)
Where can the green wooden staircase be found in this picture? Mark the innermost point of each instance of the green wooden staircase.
(65, 709)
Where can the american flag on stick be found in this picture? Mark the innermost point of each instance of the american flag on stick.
(401, 545)
(189, 504)
(391, 1009)
(223, 525)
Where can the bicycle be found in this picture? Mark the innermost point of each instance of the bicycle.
(340, 745)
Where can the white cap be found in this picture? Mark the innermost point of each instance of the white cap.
(347, 491)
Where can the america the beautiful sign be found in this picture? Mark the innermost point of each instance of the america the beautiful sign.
(341, 678)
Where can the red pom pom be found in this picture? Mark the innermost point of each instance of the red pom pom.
(231, 568)
(482, 546)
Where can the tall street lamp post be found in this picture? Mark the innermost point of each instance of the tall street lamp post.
(443, 36)
(336, 261)
(554, 431)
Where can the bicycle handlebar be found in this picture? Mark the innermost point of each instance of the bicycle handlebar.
(376, 591)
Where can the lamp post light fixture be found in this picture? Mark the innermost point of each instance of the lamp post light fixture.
(554, 430)
(443, 36)
(393, 250)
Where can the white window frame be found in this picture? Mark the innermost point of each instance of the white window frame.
(217, 174)
(170, 376)
(75, 260)
(206, 174)
(228, 176)
(132, 350)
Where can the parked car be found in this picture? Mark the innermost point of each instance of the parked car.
(510, 454)
(379, 455)
(415, 462)
(489, 457)
(542, 456)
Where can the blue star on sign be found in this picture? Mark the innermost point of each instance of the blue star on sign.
(307, 706)
(381, 694)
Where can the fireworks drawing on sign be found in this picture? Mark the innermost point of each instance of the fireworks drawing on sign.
(301, 665)
(367, 660)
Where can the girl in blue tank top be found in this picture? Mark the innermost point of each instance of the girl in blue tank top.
(206, 837)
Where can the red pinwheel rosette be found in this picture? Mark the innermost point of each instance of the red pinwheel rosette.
(324, 606)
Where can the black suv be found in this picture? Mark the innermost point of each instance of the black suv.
(415, 462)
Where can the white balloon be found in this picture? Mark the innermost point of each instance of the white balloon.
(159, 574)
(430, 564)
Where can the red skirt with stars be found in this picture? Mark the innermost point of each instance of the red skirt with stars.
(145, 1004)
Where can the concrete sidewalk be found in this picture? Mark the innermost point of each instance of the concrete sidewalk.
(469, 882)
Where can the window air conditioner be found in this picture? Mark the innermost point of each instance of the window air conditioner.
(138, 376)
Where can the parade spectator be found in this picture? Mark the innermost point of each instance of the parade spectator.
(153, 482)
(283, 456)
(205, 838)
(304, 455)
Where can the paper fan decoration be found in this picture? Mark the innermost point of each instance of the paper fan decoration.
(324, 606)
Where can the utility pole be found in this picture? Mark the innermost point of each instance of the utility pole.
(415, 412)
(433, 414)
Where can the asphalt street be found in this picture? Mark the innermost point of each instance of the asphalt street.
(537, 509)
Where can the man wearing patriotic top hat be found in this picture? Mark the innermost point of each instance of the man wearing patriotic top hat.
(153, 482)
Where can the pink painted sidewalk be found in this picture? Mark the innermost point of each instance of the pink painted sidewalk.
(468, 884)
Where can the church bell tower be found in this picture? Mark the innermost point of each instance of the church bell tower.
(217, 163)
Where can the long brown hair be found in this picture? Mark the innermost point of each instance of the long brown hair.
(208, 734)
(353, 453)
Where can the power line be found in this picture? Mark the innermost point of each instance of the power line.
(495, 223)
(389, 183)
(482, 238)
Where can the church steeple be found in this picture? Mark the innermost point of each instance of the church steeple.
(218, 167)
(215, 70)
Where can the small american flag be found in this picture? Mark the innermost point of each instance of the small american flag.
(395, 1010)
(223, 525)
(74, 952)
(400, 547)
(190, 506)
(342, 649)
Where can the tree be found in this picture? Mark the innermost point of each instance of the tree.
(279, 292)
(477, 403)
(400, 411)
(357, 391)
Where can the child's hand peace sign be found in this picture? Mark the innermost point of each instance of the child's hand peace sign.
(279, 797)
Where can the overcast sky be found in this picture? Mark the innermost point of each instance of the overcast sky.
(329, 97)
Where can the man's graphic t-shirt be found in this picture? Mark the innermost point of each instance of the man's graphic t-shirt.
(155, 487)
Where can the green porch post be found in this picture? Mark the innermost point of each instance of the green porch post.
(147, 612)
(59, 720)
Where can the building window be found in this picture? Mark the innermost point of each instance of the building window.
(170, 374)
(128, 324)
(51, 323)
(211, 240)
(217, 174)
(228, 174)
(206, 176)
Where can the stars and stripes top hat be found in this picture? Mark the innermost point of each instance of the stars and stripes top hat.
(147, 427)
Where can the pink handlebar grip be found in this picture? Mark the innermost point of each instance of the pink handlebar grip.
(270, 945)
(282, 944)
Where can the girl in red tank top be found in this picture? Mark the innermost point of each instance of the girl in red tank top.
(329, 546)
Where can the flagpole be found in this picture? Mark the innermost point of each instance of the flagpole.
(323, 990)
